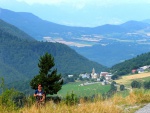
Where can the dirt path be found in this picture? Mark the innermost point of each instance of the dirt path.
(145, 109)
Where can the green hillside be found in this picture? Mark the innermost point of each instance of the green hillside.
(134, 63)
(19, 55)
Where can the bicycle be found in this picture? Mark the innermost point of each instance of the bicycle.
(39, 101)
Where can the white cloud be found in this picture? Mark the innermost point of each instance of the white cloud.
(77, 4)
(31, 2)
(88, 2)
(80, 4)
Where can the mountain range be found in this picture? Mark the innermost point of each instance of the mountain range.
(106, 44)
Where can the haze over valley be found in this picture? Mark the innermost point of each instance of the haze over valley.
(106, 44)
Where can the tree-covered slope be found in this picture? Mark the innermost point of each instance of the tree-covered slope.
(7, 29)
(19, 55)
(134, 63)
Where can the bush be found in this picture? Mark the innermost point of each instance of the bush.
(147, 85)
(122, 87)
(55, 99)
(114, 77)
(12, 99)
(71, 99)
(135, 84)
(113, 89)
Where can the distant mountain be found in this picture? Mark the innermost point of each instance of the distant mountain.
(19, 55)
(39, 28)
(35, 26)
(106, 44)
(146, 21)
(134, 25)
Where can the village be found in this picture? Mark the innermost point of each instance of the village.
(105, 77)
(102, 77)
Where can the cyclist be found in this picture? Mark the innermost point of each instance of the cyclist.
(40, 96)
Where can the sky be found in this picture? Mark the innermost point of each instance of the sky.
(84, 13)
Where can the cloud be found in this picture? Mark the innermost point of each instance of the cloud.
(98, 2)
(77, 4)
(50, 2)
(80, 4)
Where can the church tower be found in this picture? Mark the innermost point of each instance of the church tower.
(93, 71)
(93, 74)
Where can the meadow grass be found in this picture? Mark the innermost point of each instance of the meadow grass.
(116, 104)
(122, 102)
(81, 91)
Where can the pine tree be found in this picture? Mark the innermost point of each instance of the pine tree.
(48, 77)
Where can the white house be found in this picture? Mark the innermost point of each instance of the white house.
(70, 76)
(106, 75)
(86, 75)
(145, 67)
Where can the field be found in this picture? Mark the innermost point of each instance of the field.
(87, 90)
(126, 80)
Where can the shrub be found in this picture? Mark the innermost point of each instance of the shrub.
(71, 99)
(122, 87)
(12, 99)
(114, 77)
(135, 84)
(147, 85)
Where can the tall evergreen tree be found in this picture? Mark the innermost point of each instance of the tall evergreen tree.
(48, 77)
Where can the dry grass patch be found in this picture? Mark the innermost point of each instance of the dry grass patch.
(117, 104)
(94, 107)
(129, 78)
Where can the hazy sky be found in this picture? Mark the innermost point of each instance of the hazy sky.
(83, 12)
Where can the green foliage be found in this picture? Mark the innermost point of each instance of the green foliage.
(146, 84)
(113, 83)
(135, 84)
(122, 87)
(12, 99)
(19, 54)
(102, 78)
(71, 99)
(2, 85)
(48, 77)
(134, 63)
(114, 77)
(113, 89)
(46, 62)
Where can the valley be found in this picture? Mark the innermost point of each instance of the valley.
(74, 56)
(106, 44)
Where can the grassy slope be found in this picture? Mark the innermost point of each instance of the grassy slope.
(82, 91)
(126, 80)
(117, 104)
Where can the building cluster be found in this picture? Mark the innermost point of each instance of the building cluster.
(97, 76)
(141, 69)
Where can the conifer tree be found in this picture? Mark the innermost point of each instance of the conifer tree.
(47, 77)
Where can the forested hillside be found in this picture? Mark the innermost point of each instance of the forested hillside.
(19, 55)
(127, 66)
(106, 44)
